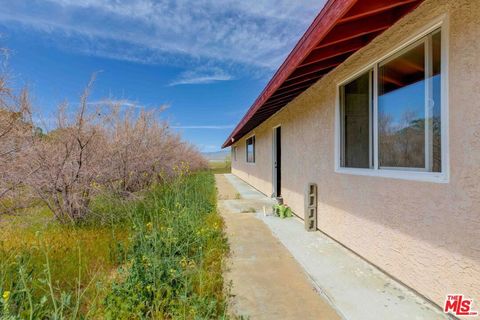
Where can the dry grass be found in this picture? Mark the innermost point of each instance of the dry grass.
(219, 167)
(91, 253)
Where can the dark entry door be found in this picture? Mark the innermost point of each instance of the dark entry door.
(278, 161)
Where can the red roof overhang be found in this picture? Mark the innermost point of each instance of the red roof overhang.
(339, 30)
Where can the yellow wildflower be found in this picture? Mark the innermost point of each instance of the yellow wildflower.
(6, 295)
(184, 262)
(149, 226)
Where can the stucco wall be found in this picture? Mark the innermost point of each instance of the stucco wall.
(425, 234)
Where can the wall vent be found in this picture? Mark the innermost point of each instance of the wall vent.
(311, 207)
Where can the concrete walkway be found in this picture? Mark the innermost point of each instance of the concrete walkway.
(276, 262)
(267, 282)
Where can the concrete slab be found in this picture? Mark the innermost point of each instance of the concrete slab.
(245, 190)
(355, 288)
(267, 282)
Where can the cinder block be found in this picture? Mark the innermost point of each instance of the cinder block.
(311, 207)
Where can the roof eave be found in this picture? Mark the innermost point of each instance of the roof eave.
(340, 29)
(325, 20)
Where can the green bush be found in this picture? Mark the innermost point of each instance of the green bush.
(283, 211)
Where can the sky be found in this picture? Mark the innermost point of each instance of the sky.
(204, 61)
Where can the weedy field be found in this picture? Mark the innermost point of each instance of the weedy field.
(157, 255)
(220, 167)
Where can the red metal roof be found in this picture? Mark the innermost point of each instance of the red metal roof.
(339, 30)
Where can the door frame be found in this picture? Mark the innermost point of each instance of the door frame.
(275, 143)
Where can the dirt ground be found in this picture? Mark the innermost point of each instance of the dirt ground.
(225, 189)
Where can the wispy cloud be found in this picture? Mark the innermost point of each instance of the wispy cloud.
(126, 104)
(122, 103)
(210, 127)
(253, 34)
(201, 76)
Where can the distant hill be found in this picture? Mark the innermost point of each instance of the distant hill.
(217, 156)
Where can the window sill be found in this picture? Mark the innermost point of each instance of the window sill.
(436, 177)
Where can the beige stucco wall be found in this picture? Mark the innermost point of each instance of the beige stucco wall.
(425, 234)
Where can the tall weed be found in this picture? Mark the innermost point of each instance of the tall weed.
(157, 256)
(174, 269)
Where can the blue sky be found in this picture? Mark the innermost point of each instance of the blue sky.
(206, 60)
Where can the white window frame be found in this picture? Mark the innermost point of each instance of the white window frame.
(254, 149)
(234, 153)
(406, 173)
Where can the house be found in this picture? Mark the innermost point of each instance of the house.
(379, 106)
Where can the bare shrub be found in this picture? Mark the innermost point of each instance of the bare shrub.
(93, 149)
(137, 145)
(16, 135)
(144, 150)
(66, 163)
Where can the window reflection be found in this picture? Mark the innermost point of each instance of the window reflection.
(401, 110)
(356, 123)
(251, 149)
(435, 104)
(407, 130)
